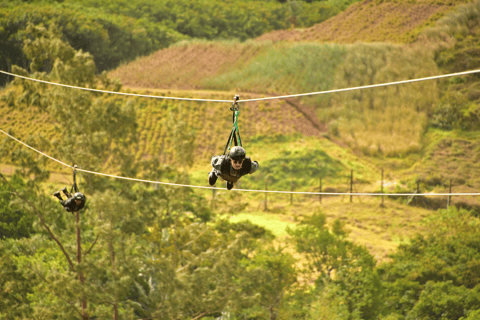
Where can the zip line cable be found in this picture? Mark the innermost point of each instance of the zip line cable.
(247, 100)
(43, 154)
(240, 190)
(251, 100)
(367, 86)
(112, 92)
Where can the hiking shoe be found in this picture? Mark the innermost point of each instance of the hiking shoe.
(229, 185)
(212, 178)
(57, 195)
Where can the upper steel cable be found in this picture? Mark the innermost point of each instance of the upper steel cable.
(366, 86)
(241, 190)
(256, 99)
(111, 92)
(43, 154)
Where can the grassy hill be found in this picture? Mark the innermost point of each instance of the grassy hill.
(303, 140)
(372, 21)
(278, 68)
(384, 128)
(301, 68)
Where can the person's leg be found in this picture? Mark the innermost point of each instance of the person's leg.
(58, 195)
(229, 185)
(66, 192)
(212, 177)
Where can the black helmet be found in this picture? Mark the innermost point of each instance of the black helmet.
(237, 153)
(79, 196)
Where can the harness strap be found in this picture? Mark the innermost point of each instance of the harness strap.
(235, 133)
(74, 186)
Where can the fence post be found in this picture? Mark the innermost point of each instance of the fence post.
(320, 195)
(213, 199)
(351, 185)
(449, 196)
(291, 194)
(265, 203)
(418, 191)
(383, 204)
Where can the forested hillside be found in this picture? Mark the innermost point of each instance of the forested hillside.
(372, 21)
(143, 250)
(374, 121)
(118, 31)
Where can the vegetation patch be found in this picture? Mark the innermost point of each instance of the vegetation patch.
(371, 21)
(285, 69)
(154, 251)
(186, 64)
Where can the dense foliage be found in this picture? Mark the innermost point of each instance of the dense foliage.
(118, 31)
(147, 252)
(456, 49)
(437, 276)
(111, 39)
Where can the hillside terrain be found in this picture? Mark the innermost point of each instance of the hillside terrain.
(371, 21)
(188, 69)
(185, 66)
(116, 31)
(143, 248)
(426, 161)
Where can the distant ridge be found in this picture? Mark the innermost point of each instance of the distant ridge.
(367, 21)
(186, 65)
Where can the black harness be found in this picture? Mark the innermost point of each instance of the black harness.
(235, 133)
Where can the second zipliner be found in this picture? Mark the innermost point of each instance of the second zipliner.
(75, 201)
(234, 163)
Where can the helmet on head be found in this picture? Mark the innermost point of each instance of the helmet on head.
(78, 196)
(237, 153)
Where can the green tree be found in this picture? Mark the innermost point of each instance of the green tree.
(326, 251)
(359, 286)
(15, 286)
(91, 129)
(271, 273)
(14, 223)
(111, 38)
(444, 300)
(346, 272)
(202, 270)
(17, 229)
(437, 271)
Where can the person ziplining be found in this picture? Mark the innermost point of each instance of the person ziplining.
(75, 202)
(234, 163)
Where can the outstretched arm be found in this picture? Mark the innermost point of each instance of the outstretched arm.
(217, 162)
(254, 167)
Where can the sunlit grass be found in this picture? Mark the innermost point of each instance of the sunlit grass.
(271, 222)
(285, 69)
(380, 229)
